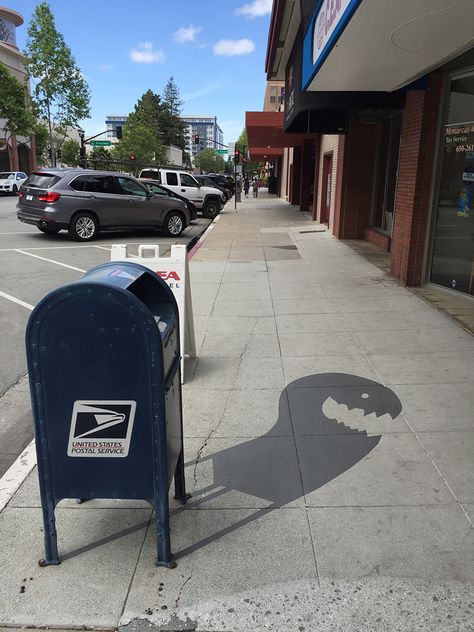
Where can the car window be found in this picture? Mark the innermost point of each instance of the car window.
(6, 176)
(41, 180)
(130, 187)
(208, 182)
(94, 184)
(152, 174)
(23, 175)
(171, 178)
(157, 190)
(187, 181)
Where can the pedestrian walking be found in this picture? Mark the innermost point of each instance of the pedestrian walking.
(246, 186)
(255, 187)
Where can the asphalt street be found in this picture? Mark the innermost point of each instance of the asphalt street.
(32, 264)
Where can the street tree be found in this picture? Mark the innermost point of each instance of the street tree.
(173, 128)
(15, 108)
(61, 94)
(71, 152)
(139, 141)
(208, 160)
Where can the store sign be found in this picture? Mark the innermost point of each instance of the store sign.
(328, 22)
(459, 146)
(328, 18)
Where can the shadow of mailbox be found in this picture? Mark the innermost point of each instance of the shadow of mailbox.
(104, 365)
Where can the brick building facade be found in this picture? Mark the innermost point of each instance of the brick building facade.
(397, 172)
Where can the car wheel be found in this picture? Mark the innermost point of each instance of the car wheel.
(83, 227)
(173, 225)
(49, 230)
(14, 190)
(211, 209)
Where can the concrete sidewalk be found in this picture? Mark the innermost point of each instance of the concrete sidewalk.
(329, 443)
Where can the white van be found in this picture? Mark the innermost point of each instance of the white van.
(207, 199)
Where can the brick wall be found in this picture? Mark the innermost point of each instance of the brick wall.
(415, 176)
(357, 186)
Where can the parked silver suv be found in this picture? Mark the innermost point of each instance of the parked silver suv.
(85, 202)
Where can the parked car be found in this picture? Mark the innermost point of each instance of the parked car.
(223, 181)
(208, 200)
(11, 181)
(85, 202)
(209, 182)
(159, 189)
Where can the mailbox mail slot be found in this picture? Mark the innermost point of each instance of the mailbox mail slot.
(104, 367)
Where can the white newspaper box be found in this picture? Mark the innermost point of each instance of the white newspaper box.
(174, 270)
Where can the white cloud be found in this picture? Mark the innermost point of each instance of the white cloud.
(186, 34)
(255, 9)
(206, 89)
(145, 53)
(229, 48)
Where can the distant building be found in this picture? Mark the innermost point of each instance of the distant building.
(17, 153)
(274, 96)
(210, 134)
(112, 121)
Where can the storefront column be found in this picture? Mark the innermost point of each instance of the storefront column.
(317, 157)
(415, 178)
(295, 191)
(357, 180)
(306, 174)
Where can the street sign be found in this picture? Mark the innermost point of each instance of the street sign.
(222, 151)
(101, 143)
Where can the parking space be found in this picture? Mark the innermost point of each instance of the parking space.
(33, 263)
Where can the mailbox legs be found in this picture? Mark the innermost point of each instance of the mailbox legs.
(179, 481)
(50, 537)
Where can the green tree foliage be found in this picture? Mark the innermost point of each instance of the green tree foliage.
(209, 161)
(70, 153)
(142, 132)
(173, 128)
(42, 139)
(14, 105)
(138, 140)
(241, 144)
(61, 94)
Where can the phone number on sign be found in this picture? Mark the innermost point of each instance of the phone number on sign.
(465, 148)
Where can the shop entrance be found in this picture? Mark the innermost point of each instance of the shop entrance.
(326, 189)
(453, 241)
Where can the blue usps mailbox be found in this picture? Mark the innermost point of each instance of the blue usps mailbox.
(104, 366)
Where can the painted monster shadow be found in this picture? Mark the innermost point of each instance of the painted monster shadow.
(267, 467)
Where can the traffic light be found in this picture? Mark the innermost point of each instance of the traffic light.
(132, 157)
(236, 156)
(118, 132)
(196, 139)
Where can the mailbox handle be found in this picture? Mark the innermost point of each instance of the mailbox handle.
(172, 373)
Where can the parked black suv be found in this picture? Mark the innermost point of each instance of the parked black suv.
(85, 202)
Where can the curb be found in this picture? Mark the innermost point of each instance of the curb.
(203, 237)
(14, 477)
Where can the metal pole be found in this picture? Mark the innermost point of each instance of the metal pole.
(235, 180)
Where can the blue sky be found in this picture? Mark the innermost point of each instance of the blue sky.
(214, 49)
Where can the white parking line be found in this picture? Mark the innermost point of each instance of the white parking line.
(22, 233)
(104, 248)
(16, 300)
(58, 263)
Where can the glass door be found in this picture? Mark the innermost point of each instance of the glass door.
(453, 244)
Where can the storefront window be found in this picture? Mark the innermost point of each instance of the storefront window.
(388, 150)
(453, 246)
